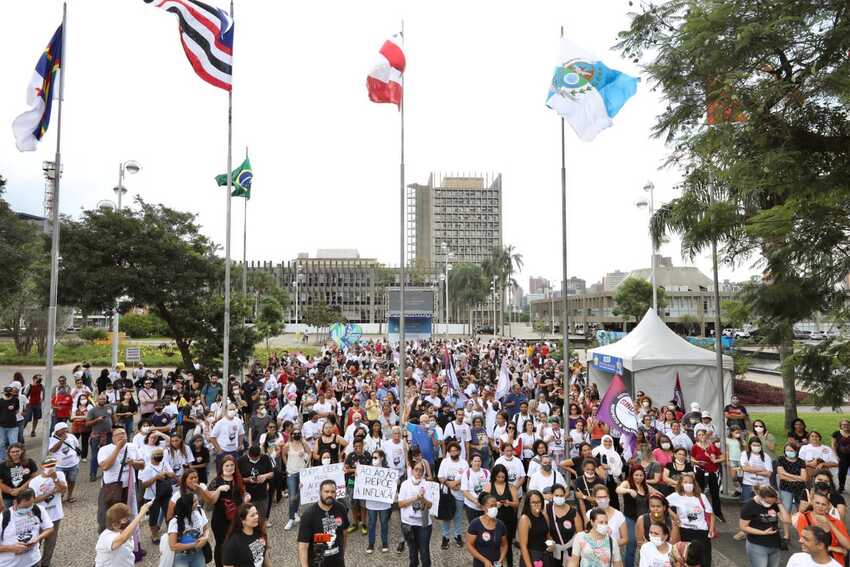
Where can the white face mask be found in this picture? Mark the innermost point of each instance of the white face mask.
(688, 487)
(665, 446)
(756, 449)
(231, 414)
(758, 429)
(601, 529)
(492, 512)
(145, 430)
(326, 461)
(602, 503)
(559, 500)
(211, 419)
(657, 541)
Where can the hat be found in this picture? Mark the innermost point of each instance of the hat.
(78, 375)
(706, 414)
(7, 388)
(48, 462)
(60, 425)
(694, 406)
(120, 366)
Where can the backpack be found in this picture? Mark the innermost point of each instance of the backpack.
(7, 517)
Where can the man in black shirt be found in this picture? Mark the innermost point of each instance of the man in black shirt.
(10, 405)
(323, 530)
(256, 470)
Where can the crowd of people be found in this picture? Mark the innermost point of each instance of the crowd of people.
(527, 474)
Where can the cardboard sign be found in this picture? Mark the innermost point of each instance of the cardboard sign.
(376, 484)
(432, 494)
(311, 479)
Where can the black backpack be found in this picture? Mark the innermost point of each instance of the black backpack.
(7, 517)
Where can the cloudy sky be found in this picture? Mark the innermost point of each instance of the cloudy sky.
(325, 159)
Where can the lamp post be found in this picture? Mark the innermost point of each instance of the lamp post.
(127, 167)
(446, 255)
(295, 283)
(650, 188)
(493, 289)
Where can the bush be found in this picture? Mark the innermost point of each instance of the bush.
(142, 326)
(73, 342)
(92, 334)
(758, 394)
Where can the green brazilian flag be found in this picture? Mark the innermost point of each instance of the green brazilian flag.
(242, 177)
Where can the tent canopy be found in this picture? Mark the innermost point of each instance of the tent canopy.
(652, 344)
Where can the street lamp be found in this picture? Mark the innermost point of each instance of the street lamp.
(295, 283)
(446, 255)
(650, 188)
(493, 289)
(130, 167)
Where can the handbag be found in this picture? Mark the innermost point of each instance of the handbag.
(208, 553)
(230, 510)
(113, 492)
(448, 504)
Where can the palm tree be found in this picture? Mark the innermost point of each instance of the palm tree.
(468, 288)
(502, 265)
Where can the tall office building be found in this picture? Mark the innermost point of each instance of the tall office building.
(538, 284)
(464, 212)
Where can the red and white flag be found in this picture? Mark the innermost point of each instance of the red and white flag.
(384, 80)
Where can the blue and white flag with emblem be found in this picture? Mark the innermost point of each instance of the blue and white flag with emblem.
(586, 92)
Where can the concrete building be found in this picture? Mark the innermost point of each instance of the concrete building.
(576, 286)
(464, 212)
(613, 279)
(537, 284)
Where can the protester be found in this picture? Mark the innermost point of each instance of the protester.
(533, 530)
(24, 526)
(659, 512)
(328, 517)
(760, 519)
(188, 532)
(15, 472)
(452, 470)
(656, 551)
(564, 522)
(696, 518)
(815, 542)
(225, 494)
(635, 493)
(414, 507)
(49, 486)
(156, 481)
(486, 539)
(10, 407)
(114, 546)
(596, 546)
(256, 471)
(378, 510)
(357, 457)
(119, 463)
(816, 512)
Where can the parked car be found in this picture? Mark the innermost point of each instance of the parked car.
(816, 336)
(728, 332)
(741, 334)
(832, 334)
(801, 335)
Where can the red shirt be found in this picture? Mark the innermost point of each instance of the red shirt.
(62, 405)
(700, 455)
(35, 395)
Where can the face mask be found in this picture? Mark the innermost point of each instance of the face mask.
(492, 512)
(657, 541)
(23, 511)
(546, 468)
(231, 414)
(756, 449)
(156, 459)
(602, 503)
(759, 429)
(589, 475)
(559, 500)
(790, 454)
(665, 446)
(326, 461)
(822, 486)
(455, 457)
(145, 430)
(296, 435)
(601, 529)
(688, 487)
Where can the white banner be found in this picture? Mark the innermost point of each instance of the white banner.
(311, 478)
(376, 484)
(432, 494)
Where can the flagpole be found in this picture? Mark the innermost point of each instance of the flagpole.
(245, 242)
(401, 340)
(226, 356)
(54, 240)
(565, 316)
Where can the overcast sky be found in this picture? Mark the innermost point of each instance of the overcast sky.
(325, 159)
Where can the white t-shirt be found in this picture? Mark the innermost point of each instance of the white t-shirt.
(396, 457)
(474, 482)
(151, 471)
(756, 461)
(539, 482)
(111, 474)
(803, 559)
(651, 557)
(197, 523)
(22, 529)
(289, 412)
(824, 453)
(311, 431)
(326, 407)
(515, 471)
(461, 433)
(226, 432)
(66, 457)
(691, 510)
(453, 470)
(178, 461)
(615, 520)
(105, 556)
(412, 515)
(682, 440)
(41, 485)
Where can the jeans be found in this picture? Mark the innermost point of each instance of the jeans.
(762, 556)
(50, 544)
(843, 465)
(458, 521)
(746, 492)
(631, 545)
(471, 514)
(294, 494)
(789, 499)
(418, 545)
(8, 435)
(385, 526)
(193, 559)
(94, 443)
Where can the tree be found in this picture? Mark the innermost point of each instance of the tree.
(773, 77)
(690, 323)
(155, 257)
(17, 241)
(142, 326)
(269, 320)
(467, 288)
(634, 299)
(735, 313)
(502, 265)
(320, 316)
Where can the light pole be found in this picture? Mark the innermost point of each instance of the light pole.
(493, 289)
(295, 283)
(650, 188)
(130, 167)
(446, 255)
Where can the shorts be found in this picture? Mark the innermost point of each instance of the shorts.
(349, 494)
(32, 412)
(70, 472)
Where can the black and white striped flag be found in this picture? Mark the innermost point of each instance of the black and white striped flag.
(207, 37)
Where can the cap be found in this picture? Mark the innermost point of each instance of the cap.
(60, 425)
(694, 406)
(706, 414)
(48, 462)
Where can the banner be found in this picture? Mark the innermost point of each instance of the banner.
(311, 478)
(606, 363)
(617, 408)
(376, 484)
(677, 394)
(432, 495)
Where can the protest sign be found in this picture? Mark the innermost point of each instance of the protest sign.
(432, 494)
(376, 484)
(311, 478)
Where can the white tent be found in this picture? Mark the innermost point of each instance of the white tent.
(651, 355)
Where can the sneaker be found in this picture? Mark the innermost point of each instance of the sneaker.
(385, 549)
(459, 541)
(370, 549)
(363, 530)
(297, 518)
(400, 548)
(288, 525)
(445, 544)
(351, 528)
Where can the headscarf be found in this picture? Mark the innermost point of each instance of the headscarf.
(615, 463)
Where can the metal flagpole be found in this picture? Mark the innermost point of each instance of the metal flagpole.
(401, 341)
(245, 241)
(565, 316)
(226, 356)
(54, 240)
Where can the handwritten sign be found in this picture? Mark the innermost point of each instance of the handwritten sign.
(432, 494)
(311, 479)
(376, 484)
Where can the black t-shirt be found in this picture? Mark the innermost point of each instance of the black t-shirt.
(791, 467)
(315, 520)
(9, 412)
(160, 420)
(233, 495)
(762, 518)
(351, 461)
(18, 474)
(487, 542)
(241, 550)
(250, 470)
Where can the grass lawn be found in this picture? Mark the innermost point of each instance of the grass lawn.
(824, 422)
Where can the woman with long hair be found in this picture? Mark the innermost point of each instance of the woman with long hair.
(507, 504)
(330, 443)
(225, 494)
(680, 465)
(15, 472)
(188, 532)
(658, 550)
(533, 530)
(564, 522)
(596, 546)
(178, 456)
(707, 460)
(378, 510)
(200, 457)
(415, 516)
(659, 512)
(696, 518)
(635, 492)
(760, 519)
(295, 454)
(247, 543)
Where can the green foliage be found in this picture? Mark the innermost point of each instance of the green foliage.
(541, 327)
(741, 363)
(92, 334)
(320, 316)
(634, 298)
(18, 242)
(824, 422)
(270, 320)
(824, 371)
(735, 313)
(690, 323)
(468, 286)
(142, 326)
(74, 351)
